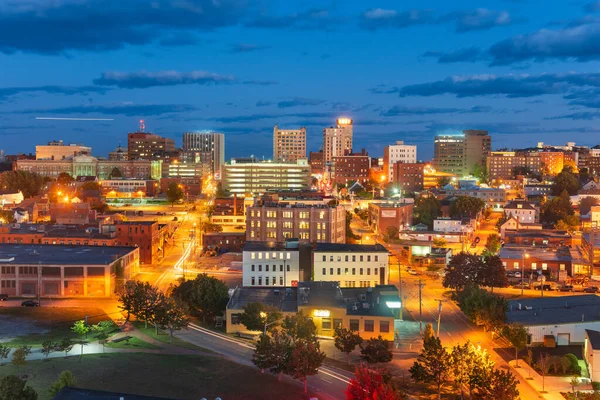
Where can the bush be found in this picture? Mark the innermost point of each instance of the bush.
(596, 385)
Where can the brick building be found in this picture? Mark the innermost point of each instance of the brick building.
(148, 236)
(351, 167)
(317, 164)
(410, 176)
(390, 214)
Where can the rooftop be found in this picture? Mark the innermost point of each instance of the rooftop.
(50, 254)
(517, 252)
(320, 294)
(145, 222)
(554, 310)
(358, 248)
(285, 299)
(376, 301)
(519, 204)
(594, 337)
(289, 245)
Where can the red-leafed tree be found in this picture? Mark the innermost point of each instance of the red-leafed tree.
(369, 384)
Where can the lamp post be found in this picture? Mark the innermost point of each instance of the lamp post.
(525, 255)
(264, 315)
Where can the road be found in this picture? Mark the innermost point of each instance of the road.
(329, 383)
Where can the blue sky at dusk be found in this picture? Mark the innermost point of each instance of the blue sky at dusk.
(526, 70)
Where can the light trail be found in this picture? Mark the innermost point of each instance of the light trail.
(74, 119)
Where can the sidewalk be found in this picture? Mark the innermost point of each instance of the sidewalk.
(553, 385)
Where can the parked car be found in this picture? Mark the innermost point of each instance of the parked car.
(30, 303)
(517, 274)
(175, 218)
(591, 289)
(547, 287)
(521, 285)
(566, 288)
(3, 297)
(510, 273)
(412, 272)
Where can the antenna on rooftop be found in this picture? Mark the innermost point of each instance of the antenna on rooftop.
(142, 125)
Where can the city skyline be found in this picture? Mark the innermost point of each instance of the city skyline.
(241, 68)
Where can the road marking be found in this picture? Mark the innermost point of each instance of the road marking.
(334, 374)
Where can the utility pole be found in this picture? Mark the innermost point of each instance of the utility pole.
(420, 309)
(39, 283)
(439, 316)
(401, 298)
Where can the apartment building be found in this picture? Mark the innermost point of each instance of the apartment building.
(278, 221)
(383, 215)
(397, 153)
(523, 211)
(337, 140)
(289, 145)
(460, 153)
(409, 176)
(278, 264)
(502, 164)
(149, 146)
(351, 167)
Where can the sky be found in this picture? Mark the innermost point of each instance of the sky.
(525, 70)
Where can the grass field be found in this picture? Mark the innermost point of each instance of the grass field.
(173, 376)
(165, 337)
(33, 325)
(132, 343)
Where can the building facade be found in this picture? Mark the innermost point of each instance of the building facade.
(59, 151)
(337, 140)
(148, 146)
(503, 164)
(84, 165)
(523, 211)
(352, 265)
(410, 177)
(282, 264)
(207, 148)
(317, 165)
(351, 167)
(259, 177)
(459, 154)
(383, 215)
(289, 145)
(395, 153)
(278, 221)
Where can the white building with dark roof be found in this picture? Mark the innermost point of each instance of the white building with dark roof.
(524, 211)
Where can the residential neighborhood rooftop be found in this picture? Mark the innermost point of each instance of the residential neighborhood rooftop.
(554, 310)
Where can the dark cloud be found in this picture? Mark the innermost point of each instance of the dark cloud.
(178, 39)
(465, 21)
(403, 111)
(313, 19)
(7, 92)
(299, 102)
(246, 47)
(263, 103)
(584, 115)
(126, 109)
(468, 54)
(513, 85)
(259, 117)
(54, 27)
(580, 43)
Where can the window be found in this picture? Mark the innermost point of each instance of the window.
(330, 271)
(374, 271)
(253, 282)
(368, 271)
(330, 258)
(281, 268)
(376, 258)
(274, 281)
(324, 271)
(361, 271)
(260, 256)
(281, 280)
(562, 267)
(326, 324)
(267, 281)
(346, 258)
(253, 256)
(516, 264)
(369, 325)
(337, 323)
(384, 326)
(235, 319)
(260, 281)
(544, 266)
(345, 271)
(260, 268)
(324, 258)
(353, 258)
(368, 258)
(361, 258)
(339, 258)
(339, 271)
(354, 325)
(533, 265)
(353, 271)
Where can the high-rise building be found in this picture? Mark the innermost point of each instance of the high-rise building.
(504, 164)
(289, 144)
(460, 154)
(337, 140)
(205, 148)
(148, 146)
(59, 151)
(398, 152)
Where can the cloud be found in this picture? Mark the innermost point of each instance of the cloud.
(585, 115)
(299, 102)
(7, 92)
(56, 27)
(178, 39)
(580, 43)
(258, 117)
(468, 54)
(126, 109)
(465, 21)
(312, 19)
(263, 103)
(246, 47)
(143, 79)
(593, 6)
(512, 85)
(403, 111)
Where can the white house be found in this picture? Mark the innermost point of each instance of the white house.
(352, 265)
(512, 224)
(591, 353)
(275, 264)
(522, 210)
(566, 318)
(463, 225)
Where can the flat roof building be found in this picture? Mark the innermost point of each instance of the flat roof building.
(255, 177)
(337, 140)
(460, 153)
(289, 145)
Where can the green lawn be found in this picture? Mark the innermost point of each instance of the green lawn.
(33, 325)
(173, 376)
(165, 337)
(132, 343)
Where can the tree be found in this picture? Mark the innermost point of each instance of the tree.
(115, 173)
(170, 315)
(391, 232)
(48, 347)
(375, 350)
(29, 183)
(346, 341)
(565, 181)
(443, 181)
(4, 352)
(82, 330)
(556, 209)
(139, 299)
(205, 296)
(428, 332)
(570, 224)
(426, 209)
(521, 170)
(299, 327)
(273, 352)
(13, 388)
(102, 330)
(493, 244)
(432, 365)
(65, 379)
(464, 269)
(174, 192)
(544, 366)
(466, 206)
(207, 226)
(220, 192)
(349, 234)
(64, 179)
(91, 185)
(505, 217)
(305, 360)
(482, 307)
(516, 334)
(439, 242)
(19, 356)
(494, 273)
(471, 367)
(480, 172)
(66, 344)
(257, 316)
(502, 386)
(368, 384)
(586, 204)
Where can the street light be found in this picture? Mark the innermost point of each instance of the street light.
(264, 316)
(525, 255)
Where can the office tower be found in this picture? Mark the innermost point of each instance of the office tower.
(337, 140)
(398, 152)
(460, 153)
(148, 146)
(288, 144)
(205, 147)
(317, 166)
